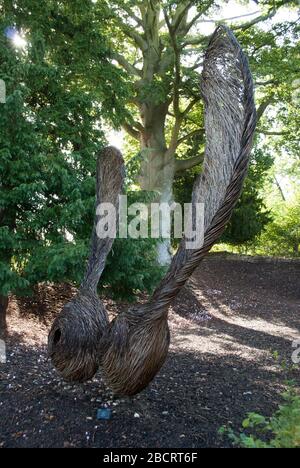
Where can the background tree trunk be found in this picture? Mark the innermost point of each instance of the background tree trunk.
(153, 145)
(158, 166)
(3, 311)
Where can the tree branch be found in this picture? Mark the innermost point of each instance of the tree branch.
(195, 41)
(255, 21)
(132, 34)
(175, 135)
(266, 83)
(177, 80)
(263, 107)
(192, 22)
(194, 67)
(222, 20)
(202, 40)
(200, 13)
(132, 15)
(189, 135)
(279, 188)
(133, 132)
(131, 69)
(240, 16)
(181, 14)
(184, 164)
(271, 13)
(267, 132)
(191, 105)
(176, 100)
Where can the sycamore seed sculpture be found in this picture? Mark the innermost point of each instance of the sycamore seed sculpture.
(132, 348)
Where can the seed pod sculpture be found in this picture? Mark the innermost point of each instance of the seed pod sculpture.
(132, 348)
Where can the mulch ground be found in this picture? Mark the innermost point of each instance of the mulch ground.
(227, 325)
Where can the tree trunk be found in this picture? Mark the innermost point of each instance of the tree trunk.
(158, 166)
(296, 248)
(164, 253)
(3, 311)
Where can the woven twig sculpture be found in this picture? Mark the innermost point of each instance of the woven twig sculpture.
(132, 348)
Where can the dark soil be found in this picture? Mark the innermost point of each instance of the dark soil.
(226, 326)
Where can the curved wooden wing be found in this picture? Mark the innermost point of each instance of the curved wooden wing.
(230, 121)
(110, 181)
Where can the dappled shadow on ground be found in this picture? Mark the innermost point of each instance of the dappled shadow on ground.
(220, 367)
(45, 302)
(230, 337)
(267, 291)
(192, 397)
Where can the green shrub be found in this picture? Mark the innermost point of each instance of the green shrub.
(280, 431)
(132, 266)
(282, 236)
(250, 217)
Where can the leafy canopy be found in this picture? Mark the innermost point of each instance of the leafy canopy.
(59, 89)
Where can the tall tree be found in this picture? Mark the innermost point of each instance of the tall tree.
(50, 60)
(160, 44)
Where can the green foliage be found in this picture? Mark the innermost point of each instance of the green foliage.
(63, 85)
(250, 216)
(58, 90)
(154, 92)
(183, 186)
(282, 236)
(131, 267)
(59, 262)
(280, 431)
(169, 67)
